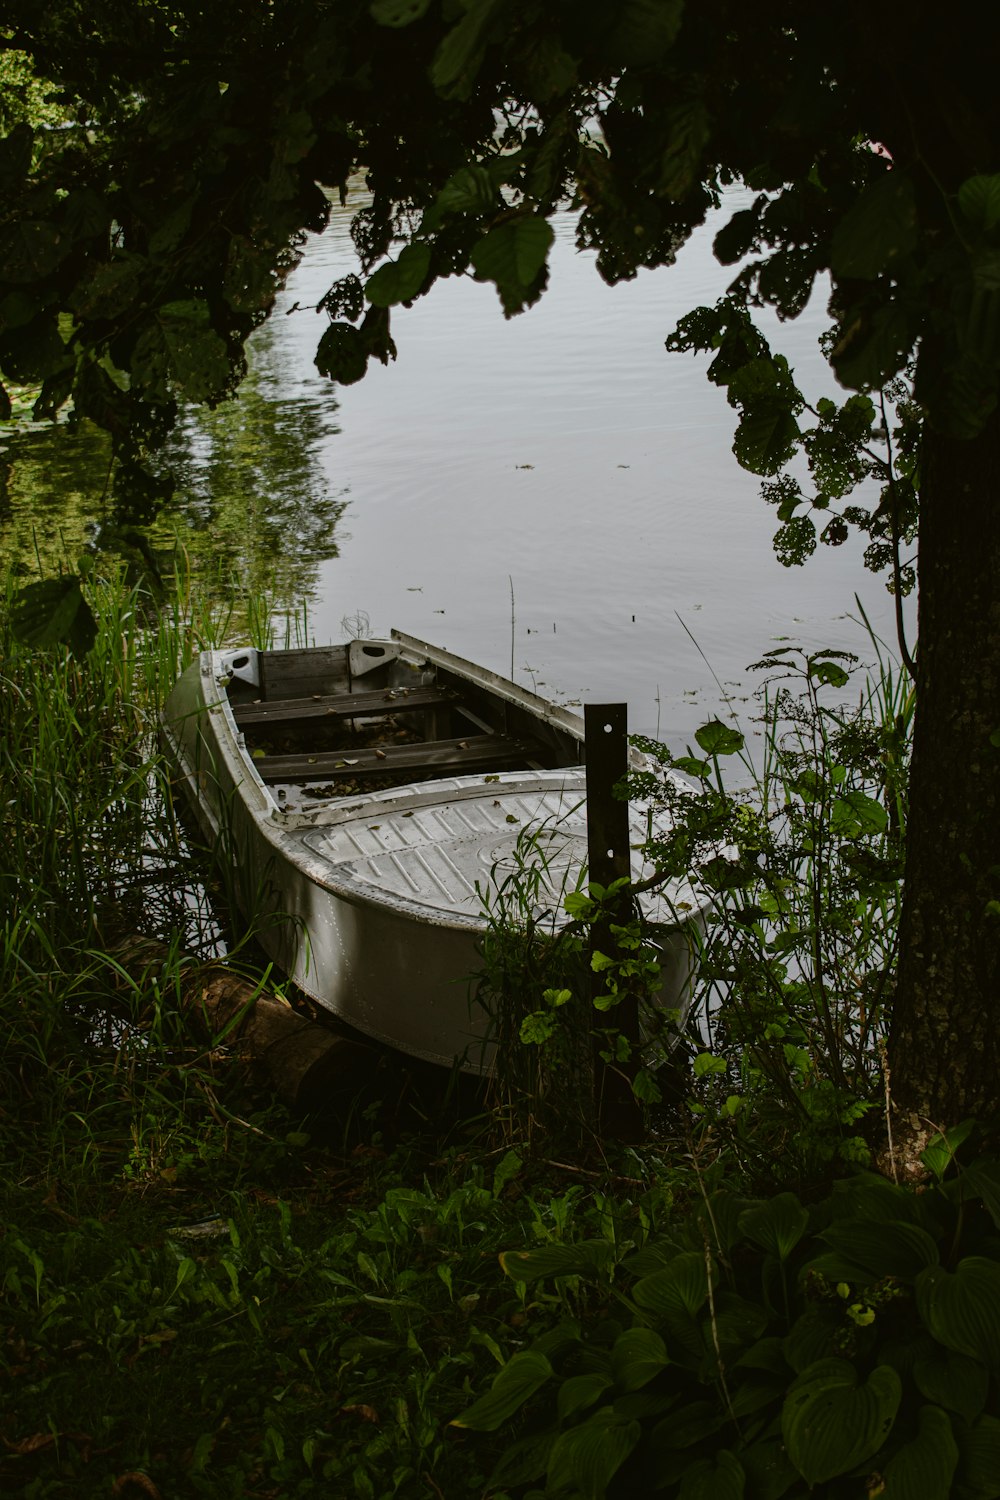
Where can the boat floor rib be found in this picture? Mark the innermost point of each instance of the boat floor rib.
(491, 752)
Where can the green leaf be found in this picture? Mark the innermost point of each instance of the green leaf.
(884, 1249)
(829, 672)
(979, 1459)
(31, 250)
(768, 1469)
(516, 1383)
(962, 1310)
(538, 1027)
(682, 1285)
(981, 1179)
(644, 29)
(587, 1457)
(579, 1392)
(180, 344)
(923, 1469)
(979, 201)
(456, 64)
(954, 1381)
(765, 439)
(720, 1478)
(939, 1152)
(830, 1422)
(855, 813)
(716, 738)
(250, 280)
(398, 12)
(469, 190)
(707, 1062)
(342, 354)
(15, 154)
(54, 612)
(514, 253)
(401, 279)
(506, 1170)
(880, 229)
(777, 1225)
(110, 289)
(873, 346)
(636, 1357)
(198, 355)
(586, 1258)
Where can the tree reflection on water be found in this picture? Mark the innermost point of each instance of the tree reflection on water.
(251, 509)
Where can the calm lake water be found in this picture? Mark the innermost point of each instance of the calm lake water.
(566, 457)
(562, 459)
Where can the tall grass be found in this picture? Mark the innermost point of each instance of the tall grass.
(92, 852)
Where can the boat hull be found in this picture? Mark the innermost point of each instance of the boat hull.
(374, 904)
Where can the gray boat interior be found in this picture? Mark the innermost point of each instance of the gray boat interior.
(362, 717)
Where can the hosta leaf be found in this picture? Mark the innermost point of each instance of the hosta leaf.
(979, 1458)
(718, 1478)
(682, 1286)
(579, 1392)
(939, 1153)
(954, 1381)
(684, 1428)
(923, 1469)
(768, 1469)
(587, 1457)
(831, 1422)
(524, 1461)
(519, 1379)
(982, 1180)
(962, 1311)
(587, 1258)
(636, 1357)
(979, 200)
(900, 1250)
(777, 1225)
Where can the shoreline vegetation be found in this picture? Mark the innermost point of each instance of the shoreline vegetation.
(424, 1291)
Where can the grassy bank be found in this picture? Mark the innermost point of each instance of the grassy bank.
(203, 1296)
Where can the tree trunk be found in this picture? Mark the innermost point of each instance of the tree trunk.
(944, 1045)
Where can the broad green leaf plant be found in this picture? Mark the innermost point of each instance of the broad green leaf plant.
(771, 1350)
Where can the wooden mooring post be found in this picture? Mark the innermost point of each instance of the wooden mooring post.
(609, 858)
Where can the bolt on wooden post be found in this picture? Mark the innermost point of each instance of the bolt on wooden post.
(609, 858)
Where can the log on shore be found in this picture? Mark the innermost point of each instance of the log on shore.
(307, 1064)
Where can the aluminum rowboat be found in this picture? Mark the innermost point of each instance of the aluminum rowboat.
(371, 793)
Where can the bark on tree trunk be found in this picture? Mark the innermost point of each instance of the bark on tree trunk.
(304, 1062)
(944, 1046)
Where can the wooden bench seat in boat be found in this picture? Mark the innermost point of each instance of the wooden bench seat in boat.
(339, 706)
(490, 752)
